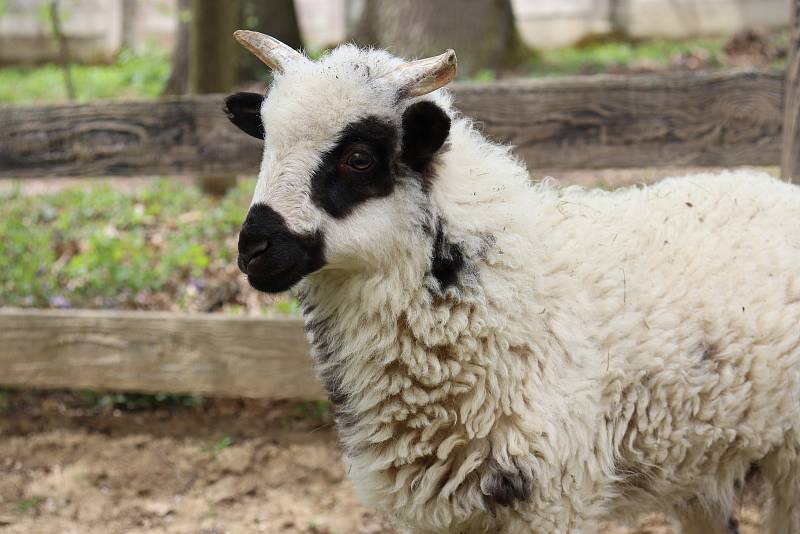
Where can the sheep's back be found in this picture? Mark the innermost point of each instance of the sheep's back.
(688, 292)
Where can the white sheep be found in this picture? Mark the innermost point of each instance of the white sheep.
(509, 357)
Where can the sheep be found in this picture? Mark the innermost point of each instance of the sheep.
(508, 356)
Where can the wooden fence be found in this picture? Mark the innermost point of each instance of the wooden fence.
(149, 351)
(678, 119)
(710, 119)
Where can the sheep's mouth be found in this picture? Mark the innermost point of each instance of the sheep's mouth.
(270, 276)
(273, 257)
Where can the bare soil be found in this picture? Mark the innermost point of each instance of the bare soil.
(228, 466)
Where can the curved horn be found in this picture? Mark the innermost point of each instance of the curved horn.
(420, 77)
(273, 53)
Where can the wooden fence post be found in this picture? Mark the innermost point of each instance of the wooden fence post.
(790, 161)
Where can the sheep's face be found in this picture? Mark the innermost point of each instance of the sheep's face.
(343, 177)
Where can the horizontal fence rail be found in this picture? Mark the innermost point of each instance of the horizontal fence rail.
(156, 352)
(676, 119)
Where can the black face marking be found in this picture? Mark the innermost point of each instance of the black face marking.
(505, 487)
(425, 129)
(733, 525)
(357, 169)
(273, 257)
(326, 344)
(244, 110)
(448, 259)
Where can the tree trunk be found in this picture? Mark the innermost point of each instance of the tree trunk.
(277, 18)
(618, 17)
(212, 62)
(63, 48)
(178, 82)
(790, 161)
(128, 24)
(482, 32)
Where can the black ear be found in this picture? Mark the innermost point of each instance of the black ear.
(425, 129)
(244, 110)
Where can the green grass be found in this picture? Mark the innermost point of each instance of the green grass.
(29, 505)
(603, 56)
(94, 246)
(131, 76)
(319, 409)
(140, 401)
(219, 445)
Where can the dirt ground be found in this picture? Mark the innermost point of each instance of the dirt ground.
(227, 466)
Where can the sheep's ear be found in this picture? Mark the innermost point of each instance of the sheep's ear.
(244, 110)
(425, 129)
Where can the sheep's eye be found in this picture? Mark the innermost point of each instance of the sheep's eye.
(360, 160)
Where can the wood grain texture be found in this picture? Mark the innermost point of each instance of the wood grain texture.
(712, 119)
(790, 161)
(181, 135)
(156, 352)
(680, 119)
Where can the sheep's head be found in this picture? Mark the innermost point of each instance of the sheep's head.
(348, 148)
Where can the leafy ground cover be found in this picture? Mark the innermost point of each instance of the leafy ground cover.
(164, 245)
(748, 48)
(140, 75)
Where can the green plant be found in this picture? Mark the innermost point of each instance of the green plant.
(287, 306)
(100, 247)
(318, 409)
(140, 75)
(29, 504)
(220, 445)
(485, 75)
(599, 55)
(140, 401)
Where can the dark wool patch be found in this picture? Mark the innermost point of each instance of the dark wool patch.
(244, 110)
(634, 480)
(447, 259)
(325, 344)
(752, 476)
(336, 186)
(709, 352)
(487, 243)
(331, 378)
(505, 487)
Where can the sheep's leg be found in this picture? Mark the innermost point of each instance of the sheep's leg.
(782, 472)
(695, 518)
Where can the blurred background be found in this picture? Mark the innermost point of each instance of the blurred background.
(107, 41)
(93, 461)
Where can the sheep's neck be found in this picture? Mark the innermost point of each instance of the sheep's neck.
(404, 361)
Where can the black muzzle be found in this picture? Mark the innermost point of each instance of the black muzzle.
(273, 257)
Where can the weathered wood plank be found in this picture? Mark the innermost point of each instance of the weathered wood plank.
(152, 352)
(183, 135)
(712, 119)
(682, 119)
(790, 161)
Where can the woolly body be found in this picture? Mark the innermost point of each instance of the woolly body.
(509, 357)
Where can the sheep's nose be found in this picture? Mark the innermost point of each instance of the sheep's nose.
(249, 252)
